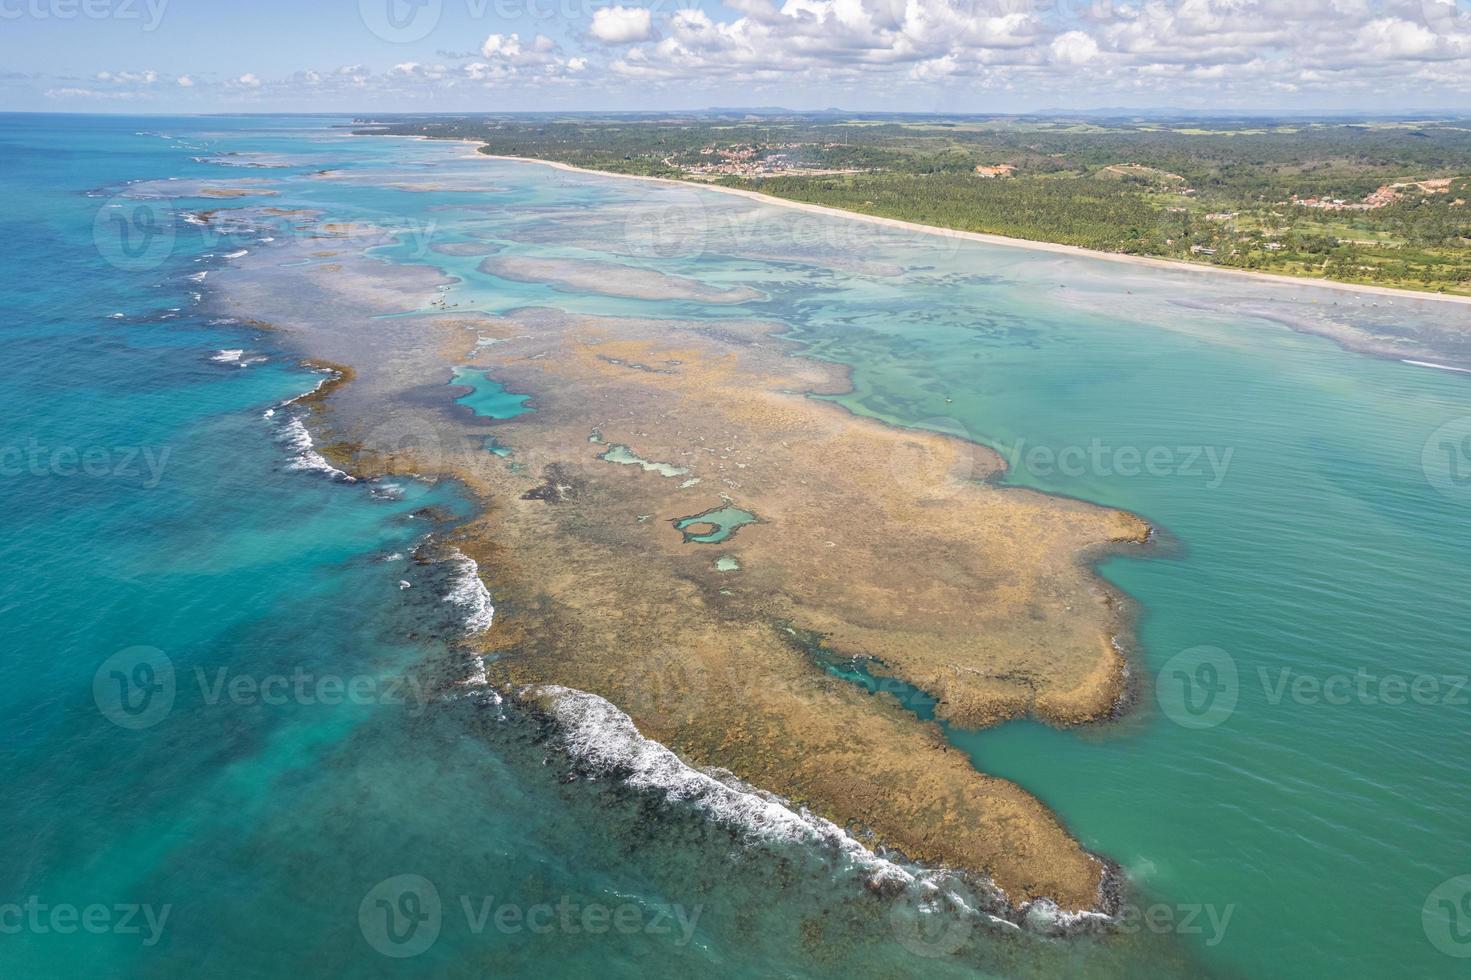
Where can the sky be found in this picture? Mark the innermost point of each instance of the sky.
(952, 56)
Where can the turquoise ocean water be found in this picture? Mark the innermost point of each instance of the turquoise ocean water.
(1288, 796)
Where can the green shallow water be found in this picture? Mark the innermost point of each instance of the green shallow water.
(1323, 812)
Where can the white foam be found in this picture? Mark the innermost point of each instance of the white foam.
(198, 276)
(1043, 915)
(236, 254)
(230, 355)
(477, 676)
(1438, 367)
(306, 394)
(305, 458)
(470, 593)
(599, 735)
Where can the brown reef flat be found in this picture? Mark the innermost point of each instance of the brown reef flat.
(880, 542)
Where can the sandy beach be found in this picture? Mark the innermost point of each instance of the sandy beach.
(988, 239)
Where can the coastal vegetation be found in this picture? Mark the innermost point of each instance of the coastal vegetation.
(1380, 201)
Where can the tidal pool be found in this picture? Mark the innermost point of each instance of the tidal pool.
(722, 521)
(487, 398)
(622, 454)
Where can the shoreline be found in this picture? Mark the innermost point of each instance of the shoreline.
(985, 238)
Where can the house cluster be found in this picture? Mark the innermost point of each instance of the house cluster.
(753, 161)
(743, 161)
(998, 170)
(1385, 195)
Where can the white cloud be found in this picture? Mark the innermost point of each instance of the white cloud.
(874, 52)
(507, 56)
(622, 25)
(1212, 48)
(1217, 52)
(1390, 37)
(73, 92)
(144, 77)
(1073, 48)
(506, 46)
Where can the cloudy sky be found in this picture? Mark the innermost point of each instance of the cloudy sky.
(919, 55)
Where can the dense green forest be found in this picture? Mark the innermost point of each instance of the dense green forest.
(1381, 201)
